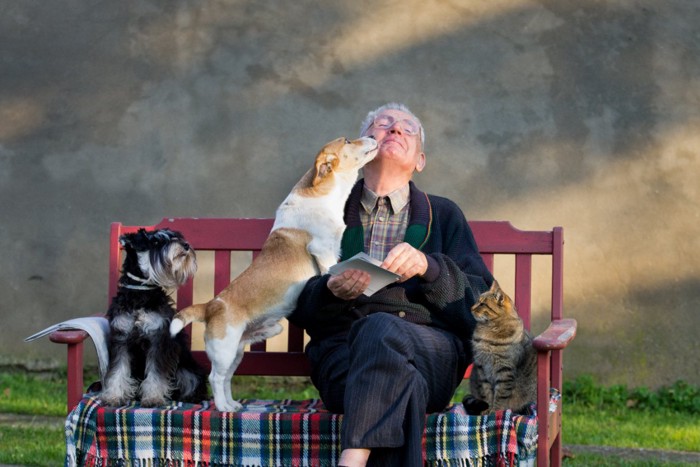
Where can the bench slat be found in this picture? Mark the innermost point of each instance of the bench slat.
(523, 294)
(502, 237)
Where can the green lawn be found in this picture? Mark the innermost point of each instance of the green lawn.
(590, 460)
(588, 419)
(631, 429)
(38, 445)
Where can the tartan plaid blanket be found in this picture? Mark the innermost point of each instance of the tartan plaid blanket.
(275, 433)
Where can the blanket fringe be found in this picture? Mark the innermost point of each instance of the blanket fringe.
(496, 460)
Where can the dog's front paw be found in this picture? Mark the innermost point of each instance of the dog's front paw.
(112, 401)
(229, 406)
(153, 402)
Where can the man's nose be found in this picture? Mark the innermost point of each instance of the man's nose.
(396, 127)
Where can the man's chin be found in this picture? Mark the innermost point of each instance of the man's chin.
(392, 146)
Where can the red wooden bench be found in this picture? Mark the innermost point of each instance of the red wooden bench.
(495, 239)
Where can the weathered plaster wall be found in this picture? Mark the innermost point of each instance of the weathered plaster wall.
(582, 114)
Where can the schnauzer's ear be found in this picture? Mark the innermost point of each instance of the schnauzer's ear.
(135, 240)
(166, 235)
(125, 240)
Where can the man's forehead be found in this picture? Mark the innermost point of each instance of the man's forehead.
(396, 113)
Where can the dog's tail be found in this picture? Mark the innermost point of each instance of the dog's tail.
(185, 316)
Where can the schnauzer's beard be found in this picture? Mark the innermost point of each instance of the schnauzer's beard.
(168, 267)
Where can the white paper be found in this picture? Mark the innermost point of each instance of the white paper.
(97, 328)
(380, 277)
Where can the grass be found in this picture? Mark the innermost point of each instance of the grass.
(30, 394)
(36, 445)
(631, 429)
(593, 415)
(589, 460)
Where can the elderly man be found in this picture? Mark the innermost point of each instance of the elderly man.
(386, 360)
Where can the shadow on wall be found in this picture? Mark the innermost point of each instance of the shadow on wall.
(544, 114)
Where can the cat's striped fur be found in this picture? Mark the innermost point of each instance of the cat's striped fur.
(504, 375)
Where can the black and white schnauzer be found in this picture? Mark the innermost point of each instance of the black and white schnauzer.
(145, 362)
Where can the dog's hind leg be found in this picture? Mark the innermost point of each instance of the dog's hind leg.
(223, 355)
(229, 375)
(270, 327)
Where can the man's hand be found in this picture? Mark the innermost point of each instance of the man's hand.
(349, 284)
(403, 260)
(406, 261)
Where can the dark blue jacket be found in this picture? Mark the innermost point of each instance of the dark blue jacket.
(443, 298)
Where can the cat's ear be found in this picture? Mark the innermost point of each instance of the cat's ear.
(498, 293)
(501, 297)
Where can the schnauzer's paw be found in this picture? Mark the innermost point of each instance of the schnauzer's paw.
(153, 402)
(95, 387)
(229, 406)
(475, 406)
(113, 401)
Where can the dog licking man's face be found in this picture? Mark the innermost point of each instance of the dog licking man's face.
(164, 257)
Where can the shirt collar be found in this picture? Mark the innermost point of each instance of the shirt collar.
(398, 199)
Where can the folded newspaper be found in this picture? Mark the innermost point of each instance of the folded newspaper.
(98, 329)
(380, 277)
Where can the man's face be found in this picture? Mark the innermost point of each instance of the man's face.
(398, 135)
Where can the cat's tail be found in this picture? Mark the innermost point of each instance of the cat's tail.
(185, 316)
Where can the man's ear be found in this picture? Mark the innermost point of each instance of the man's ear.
(325, 164)
(420, 164)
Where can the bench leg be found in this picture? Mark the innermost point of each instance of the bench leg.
(549, 446)
(543, 373)
(557, 367)
(75, 375)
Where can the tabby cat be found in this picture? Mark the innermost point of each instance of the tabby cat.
(504, 375)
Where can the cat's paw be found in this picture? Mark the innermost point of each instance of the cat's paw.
(474, 406)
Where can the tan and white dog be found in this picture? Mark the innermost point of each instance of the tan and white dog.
(304, 242)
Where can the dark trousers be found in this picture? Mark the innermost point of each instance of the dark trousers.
(384, 376)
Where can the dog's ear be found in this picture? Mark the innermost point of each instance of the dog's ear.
(125, 240)
(138, 240)
(325, 164)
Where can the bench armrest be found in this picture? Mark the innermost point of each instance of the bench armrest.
(72, 336)
(557, 336)
(73, 333)
(74, 362)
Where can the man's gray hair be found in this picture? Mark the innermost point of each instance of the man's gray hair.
(369, 119)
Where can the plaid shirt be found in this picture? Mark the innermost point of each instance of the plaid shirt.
(384, 220)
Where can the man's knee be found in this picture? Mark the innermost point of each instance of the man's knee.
(380, 337)
(374, 326)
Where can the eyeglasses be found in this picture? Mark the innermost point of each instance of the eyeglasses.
(385, 122)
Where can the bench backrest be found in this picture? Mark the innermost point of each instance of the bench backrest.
(224, 236)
